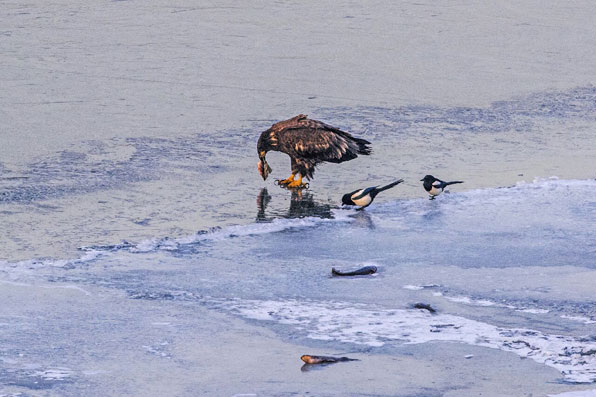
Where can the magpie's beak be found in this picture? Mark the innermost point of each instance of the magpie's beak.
(422, 180)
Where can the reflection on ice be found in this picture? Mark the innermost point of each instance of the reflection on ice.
(302, 204)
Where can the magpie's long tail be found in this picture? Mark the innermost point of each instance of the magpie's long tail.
(453, 183)
(390, 185)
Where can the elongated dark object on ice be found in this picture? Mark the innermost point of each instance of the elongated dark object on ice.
(360, 272)
(424, 306)
(324, 359)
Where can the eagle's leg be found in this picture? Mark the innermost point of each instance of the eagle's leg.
(287, 181)
(297, 183)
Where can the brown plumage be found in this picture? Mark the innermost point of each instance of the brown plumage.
(308, 143)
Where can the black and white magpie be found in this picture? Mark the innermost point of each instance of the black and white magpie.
(435, 186)
(364, 197)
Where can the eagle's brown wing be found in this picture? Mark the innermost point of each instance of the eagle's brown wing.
(310, 142)
(315, 140)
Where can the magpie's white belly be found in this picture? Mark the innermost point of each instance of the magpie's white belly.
(363, 200)
(434, 191)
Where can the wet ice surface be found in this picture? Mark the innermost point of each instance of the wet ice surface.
(508, 268)
(501, 275)
(88, 194)
(363, 325)
(587, 393)
(140, 253)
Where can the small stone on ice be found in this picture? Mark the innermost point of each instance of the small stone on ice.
(469, 356)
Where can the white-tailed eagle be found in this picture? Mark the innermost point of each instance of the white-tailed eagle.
(308, 143)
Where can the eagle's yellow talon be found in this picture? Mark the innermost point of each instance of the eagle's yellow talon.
(297, 184)
(287, 181)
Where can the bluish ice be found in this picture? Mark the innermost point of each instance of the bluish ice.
(141, 254)
(508, 268)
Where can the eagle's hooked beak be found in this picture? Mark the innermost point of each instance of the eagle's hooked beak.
(263, 167)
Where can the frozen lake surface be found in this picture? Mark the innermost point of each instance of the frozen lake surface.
(141, 253)
(500, 274)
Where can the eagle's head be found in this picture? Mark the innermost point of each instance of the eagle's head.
(263, 146)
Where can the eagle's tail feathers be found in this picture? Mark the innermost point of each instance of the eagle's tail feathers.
(363, 147)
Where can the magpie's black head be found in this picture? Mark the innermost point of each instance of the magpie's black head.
(428, 178)
(347, 199)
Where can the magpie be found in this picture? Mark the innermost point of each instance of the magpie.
(435, 186)
(364, 197)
